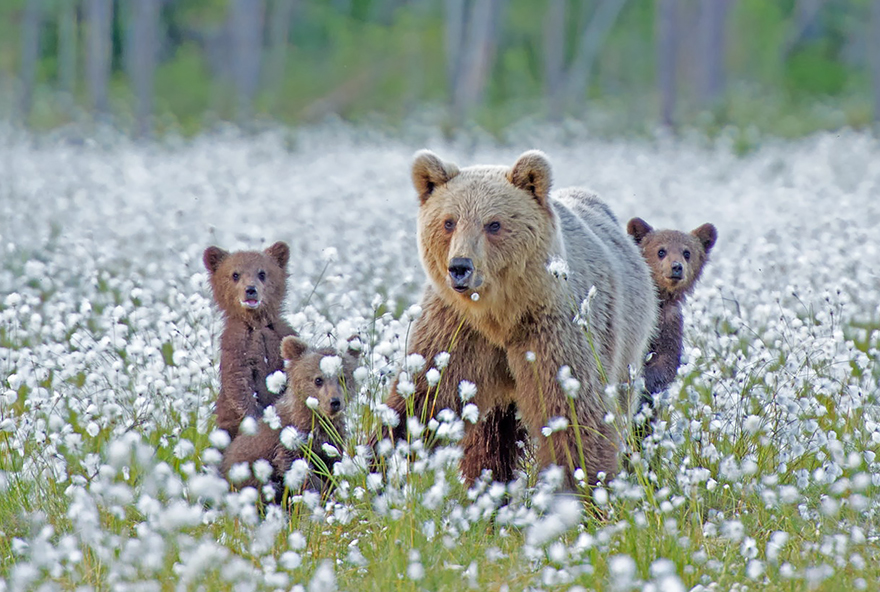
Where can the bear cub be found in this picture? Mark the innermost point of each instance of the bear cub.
(319, 383)
(676, 260)
(249, 288)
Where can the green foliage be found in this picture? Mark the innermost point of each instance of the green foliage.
(366, 58)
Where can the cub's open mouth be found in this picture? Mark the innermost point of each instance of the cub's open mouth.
(252, 304)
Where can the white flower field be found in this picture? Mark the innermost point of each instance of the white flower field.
(761, 473)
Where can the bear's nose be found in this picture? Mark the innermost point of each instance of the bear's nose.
(677, 270)
(460, 270)
(335, 404)
(251, 292)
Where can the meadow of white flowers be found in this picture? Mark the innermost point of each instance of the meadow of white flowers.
(761, 472)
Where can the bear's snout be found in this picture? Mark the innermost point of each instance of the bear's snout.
(335, 404)
(250, 292)
(461, 270)
(677, 270)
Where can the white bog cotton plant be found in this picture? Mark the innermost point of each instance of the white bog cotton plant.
(760, 466)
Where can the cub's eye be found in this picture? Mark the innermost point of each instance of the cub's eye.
(661, 253)
(236, 276)
(493, 227)
(449, 225)
(319, 382)
(687, 255)
(262, 275)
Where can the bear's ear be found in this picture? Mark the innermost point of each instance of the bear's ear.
(280, 252)
(428, 171)
(638, 229)
(292, 348)
(707, 235)
(213, 257)
(532, 173)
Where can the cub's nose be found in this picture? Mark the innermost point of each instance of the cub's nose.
(677, 270)
(460, 271)
(335, 404)
(251, 292)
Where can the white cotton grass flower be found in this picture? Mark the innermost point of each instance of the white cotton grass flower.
(433, 377)
(291, 438)
(296, 474)
(414, 363)
(324, 579)
(330, 450)
(262, 469)
(239, 472)
(312, 403)
(329, 255)
(530, 356)
(556, 424)
(470, 413)
(276, 382)
(331, 365)
(270, 417)
(621, 572)
(570, 385)
(441, 360)
(466, 390)
(475, 296)
(248, 426)
(405, 387)
(565, 513)
(558, 268)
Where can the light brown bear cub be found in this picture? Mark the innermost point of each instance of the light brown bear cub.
(676, 260)
(249, 287)
(488, 236)
(319, 383)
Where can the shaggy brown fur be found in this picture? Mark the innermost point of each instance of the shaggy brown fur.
(325, 424)
(249, 288)
(486, 235)
(676, 260)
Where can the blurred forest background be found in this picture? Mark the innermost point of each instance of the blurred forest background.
(777, 67)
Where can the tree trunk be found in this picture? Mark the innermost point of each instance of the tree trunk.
(143, 48)
(476, 60)
(454, 37)
(667, 30)
(30, 54)
(874, 55)
(279, 33)
(67, 44)
(591, 41)
(247, 42)
(554, 56)
(100, 19)
(713, 39)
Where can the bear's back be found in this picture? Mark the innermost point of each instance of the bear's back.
(623, 310)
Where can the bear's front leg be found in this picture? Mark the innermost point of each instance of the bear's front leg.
(568, 421)
(497, 443)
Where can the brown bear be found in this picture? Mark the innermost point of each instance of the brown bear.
(319, 383)
(676, 260)
(539, 346)
(249, 288)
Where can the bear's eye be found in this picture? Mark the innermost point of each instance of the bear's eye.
(493, 227)
(236, 276)
(449, 225)
(687, 255)
(262, 275)
(661, 253)
(319, 382)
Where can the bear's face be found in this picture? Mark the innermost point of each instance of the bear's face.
(322, 375)
(676, 258)
(248, 284)
(479, 228)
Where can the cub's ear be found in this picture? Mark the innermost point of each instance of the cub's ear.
(428, 171)
(280, 252)
(707, 235)
(213, 257)
(292, 348)
(532, 172)
(638, 229)
(355, 346)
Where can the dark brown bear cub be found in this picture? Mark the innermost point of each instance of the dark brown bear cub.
(676, 260)
(249, 287)
(319, 382)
